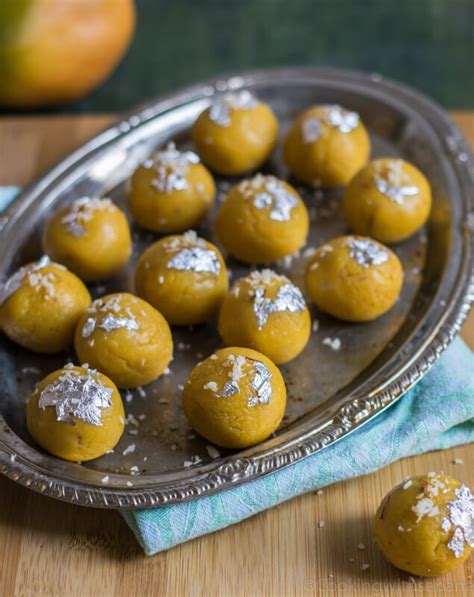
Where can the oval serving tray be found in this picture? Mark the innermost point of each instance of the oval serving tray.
(331, 392)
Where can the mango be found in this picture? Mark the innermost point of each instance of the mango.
(55, 51)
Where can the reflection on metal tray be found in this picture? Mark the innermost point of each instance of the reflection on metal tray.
(331, 392)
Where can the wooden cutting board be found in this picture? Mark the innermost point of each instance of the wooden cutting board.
(52, 548)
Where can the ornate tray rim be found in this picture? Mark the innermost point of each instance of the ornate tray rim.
(243, 467)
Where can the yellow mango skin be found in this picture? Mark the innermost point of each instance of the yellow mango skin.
(183, 297)
(79, 442)
(171, 212)
(421, 551)
(282, 338)
(333, 159)
(230, 422)
(340, 286)
(45, 325)
(250, 235)
(241, 147)
(370, 212)
(102, 251)
(130, 358)
(52, 51)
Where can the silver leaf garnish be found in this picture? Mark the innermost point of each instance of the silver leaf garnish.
(261, 384)
(88, 327)
(83, 396)
(335, 116)
(230, 388)
(390, 180)
(456, 543)
(311, 130)
(342, 119)
(166, 182)
(324, 250)
(461, 516)
(222, 106)
(171, 167)
(445, 524)
(16, 280)
(188, 239)
(82, 211)
(196, 259)
(288, 298)
(109, 323)
(173, 158)
(366, 252)
(108, 314)
(395, 193)
(277, 198)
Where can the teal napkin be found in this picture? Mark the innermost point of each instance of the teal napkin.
(7, 195)
(437, 413)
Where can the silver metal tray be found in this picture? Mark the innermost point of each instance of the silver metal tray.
(331, 393)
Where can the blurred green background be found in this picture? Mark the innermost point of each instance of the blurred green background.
(428, 44)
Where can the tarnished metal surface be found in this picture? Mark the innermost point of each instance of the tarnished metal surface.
(347, 374)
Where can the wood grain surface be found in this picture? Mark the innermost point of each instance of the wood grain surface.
(52, 548)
